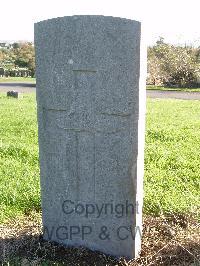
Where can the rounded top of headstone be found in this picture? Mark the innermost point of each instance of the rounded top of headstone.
(88, 17)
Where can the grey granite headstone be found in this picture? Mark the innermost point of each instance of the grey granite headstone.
(90, 97)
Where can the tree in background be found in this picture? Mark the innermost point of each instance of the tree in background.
(25, 56)
(19, 56)
(6, 57)
(173, 65)
(15, 45)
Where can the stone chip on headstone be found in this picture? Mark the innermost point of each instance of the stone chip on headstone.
(91, 99)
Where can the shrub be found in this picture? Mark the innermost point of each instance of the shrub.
(173, 65)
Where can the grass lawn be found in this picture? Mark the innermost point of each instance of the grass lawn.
(17, 79)
(161, 88)
(172, 158)
(19, 173)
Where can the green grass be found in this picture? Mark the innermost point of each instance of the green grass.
(19, 174)
(17, 79)
(161, 88)
(172, 158)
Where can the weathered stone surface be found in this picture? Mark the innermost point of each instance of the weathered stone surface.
(91, 159)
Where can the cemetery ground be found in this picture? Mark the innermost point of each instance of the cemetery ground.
(172, 185)
(17, 79)
(164, 88)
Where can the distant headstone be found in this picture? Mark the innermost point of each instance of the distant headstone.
(1, 72)
(91, 100)
(14, 94)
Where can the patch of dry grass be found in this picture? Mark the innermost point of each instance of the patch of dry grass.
(167, 240)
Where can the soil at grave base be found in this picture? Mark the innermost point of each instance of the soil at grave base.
(169, 240)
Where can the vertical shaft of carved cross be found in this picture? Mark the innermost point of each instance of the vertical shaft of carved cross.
(83, 113)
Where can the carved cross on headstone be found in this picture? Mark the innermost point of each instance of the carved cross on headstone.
(82, 118)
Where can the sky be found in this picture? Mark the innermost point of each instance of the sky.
(178, 21)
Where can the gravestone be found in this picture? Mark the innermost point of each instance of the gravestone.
(90, 95)
(1, 72)
(14, 94)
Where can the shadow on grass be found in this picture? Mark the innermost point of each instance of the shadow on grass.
(31, 250)
(168, 240)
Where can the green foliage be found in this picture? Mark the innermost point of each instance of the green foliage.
(172, 165)
(21, 55)
(25, 56)
(16, 45)
(7, 58)
(168, 64)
